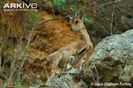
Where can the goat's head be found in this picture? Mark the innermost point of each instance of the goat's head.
(76, 24)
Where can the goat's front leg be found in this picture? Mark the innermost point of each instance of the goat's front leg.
(84, 49)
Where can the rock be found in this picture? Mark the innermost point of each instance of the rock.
(66, 80)
(112, 60)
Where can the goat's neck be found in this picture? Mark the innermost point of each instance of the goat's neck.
(85, 36)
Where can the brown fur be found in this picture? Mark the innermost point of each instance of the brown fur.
(62, 57)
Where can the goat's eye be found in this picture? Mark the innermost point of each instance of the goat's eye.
(76, 22)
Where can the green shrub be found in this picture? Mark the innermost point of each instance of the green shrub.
(59, 3)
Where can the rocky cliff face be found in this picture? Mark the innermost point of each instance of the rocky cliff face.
(111, 61)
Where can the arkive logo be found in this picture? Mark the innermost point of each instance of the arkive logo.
(21, 5)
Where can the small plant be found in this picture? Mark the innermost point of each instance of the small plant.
(59, 3)
(32, 18)
(74, 9)
(86, 21)
(20, 52)
(18, 85)
(3, 85)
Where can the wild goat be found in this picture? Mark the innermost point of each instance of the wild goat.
(72, 53)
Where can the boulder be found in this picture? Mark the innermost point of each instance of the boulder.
(111, 62)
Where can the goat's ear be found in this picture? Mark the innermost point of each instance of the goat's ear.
(68, 18)
(80, 15)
